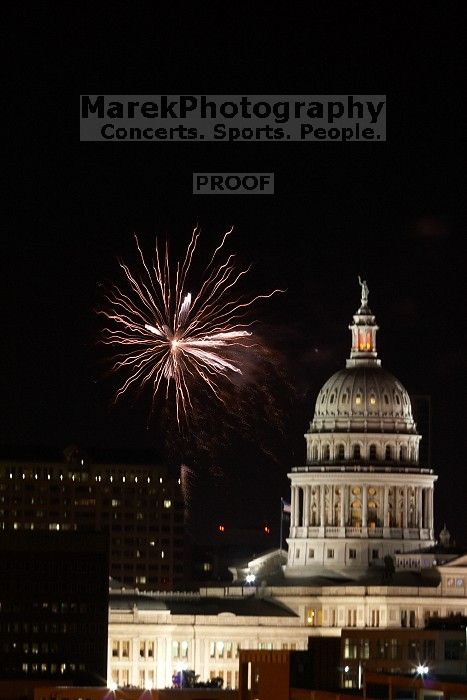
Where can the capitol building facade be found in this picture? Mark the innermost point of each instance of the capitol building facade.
(361, 552)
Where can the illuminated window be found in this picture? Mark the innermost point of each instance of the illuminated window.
(175, 650)
(207, 566)
(358, 400)
(350, 648)
(364, 648)
(126, 649)
(167, 504)
(184, 650)
(372, 400)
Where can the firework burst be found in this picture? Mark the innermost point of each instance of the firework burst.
(167, 335)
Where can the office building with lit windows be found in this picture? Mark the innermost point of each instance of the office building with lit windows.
(138, 506)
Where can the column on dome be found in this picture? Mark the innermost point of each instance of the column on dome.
(430, 501)
(346, 504)
(321, 505)
(294, 506)
(306, 506)
(419, 507)
(364, 505)
(386, 507)
(405, 509)
(342, 506)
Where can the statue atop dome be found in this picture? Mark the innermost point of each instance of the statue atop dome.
(365, 291)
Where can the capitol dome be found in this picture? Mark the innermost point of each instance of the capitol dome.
(367, 396)
(363, 413)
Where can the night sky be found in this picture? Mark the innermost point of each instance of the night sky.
(393, 212)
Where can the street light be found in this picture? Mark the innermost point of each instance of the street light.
(422, 670)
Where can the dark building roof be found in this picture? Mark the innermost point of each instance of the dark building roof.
(248, 606)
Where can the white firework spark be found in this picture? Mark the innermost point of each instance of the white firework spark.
(167, 334)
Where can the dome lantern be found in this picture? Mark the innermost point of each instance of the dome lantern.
(363, 351)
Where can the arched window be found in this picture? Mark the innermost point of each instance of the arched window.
(398, 401)
(341, 451)
(386, 399)
(314, 452)
(356, 513)
(372, 451)
(372, 518)
(403, 453)
(326, 452)
(331, 400)
(356, 451)
(388, 453)
(344, 398)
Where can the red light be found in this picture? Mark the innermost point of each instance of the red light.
(221, 528)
